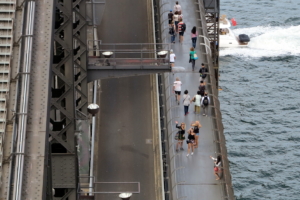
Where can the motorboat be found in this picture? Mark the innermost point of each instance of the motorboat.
(228, 38)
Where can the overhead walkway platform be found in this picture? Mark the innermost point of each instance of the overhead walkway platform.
(123, 60)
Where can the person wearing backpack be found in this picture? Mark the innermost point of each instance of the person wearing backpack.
(203, 70)
(202, 88)
(181, 30)
(205, 101)
(172, 32)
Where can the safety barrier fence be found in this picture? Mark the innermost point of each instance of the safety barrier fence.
(160, 9)
(216, 115)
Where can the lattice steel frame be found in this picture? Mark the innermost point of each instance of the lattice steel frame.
(69, 95)
(212, 15)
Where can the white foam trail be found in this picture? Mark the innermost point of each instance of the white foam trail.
(267, 41)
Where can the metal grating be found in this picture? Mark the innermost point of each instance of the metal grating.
(7, 11)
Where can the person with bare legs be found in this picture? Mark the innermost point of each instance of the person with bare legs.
(217, 166)
(172, 58)
(197, 127)
(190, 141)
(181, 136)
(177, 89)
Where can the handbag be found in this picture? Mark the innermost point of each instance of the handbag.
(176, 136)
(195, 57)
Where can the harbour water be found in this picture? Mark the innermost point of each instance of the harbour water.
(260, 100)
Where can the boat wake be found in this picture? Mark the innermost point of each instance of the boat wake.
(267, 42)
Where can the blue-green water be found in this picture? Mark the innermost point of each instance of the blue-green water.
(260, 100)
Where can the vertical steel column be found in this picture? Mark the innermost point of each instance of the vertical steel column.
(212, 14)
(69, 94)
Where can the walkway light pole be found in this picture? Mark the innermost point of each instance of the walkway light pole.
(92, 109)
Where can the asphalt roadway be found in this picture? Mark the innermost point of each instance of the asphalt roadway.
(125, 130)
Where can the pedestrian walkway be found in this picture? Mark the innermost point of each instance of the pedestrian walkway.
(194, 177)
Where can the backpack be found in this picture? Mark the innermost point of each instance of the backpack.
(202, 90)
(183, 27)
(205, 101)
(171, 31)
(202, 72)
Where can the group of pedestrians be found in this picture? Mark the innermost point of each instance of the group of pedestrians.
(200, 99)
(192, 137)
(178, 27)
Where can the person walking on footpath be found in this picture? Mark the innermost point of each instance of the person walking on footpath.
(194, 34)
(202, 88)
(205, 101)
(170, 17)
(177, 7)
(172, 58)
(180, 136)
(176, 20)
(172, 32)
(181, 30)
(203, 70)
(196, 125)
(190, 141)
(196, 99)
(217, 166)
(177, 89)
(193, 57)
(186, 102)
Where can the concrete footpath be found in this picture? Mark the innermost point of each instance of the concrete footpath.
(194, 174)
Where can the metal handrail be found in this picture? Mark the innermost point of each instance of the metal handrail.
(215, 108)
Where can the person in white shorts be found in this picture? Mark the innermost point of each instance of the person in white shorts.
(172, 58)
(177, 89)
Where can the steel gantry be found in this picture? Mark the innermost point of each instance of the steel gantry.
(212, 14)
(69, 95)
